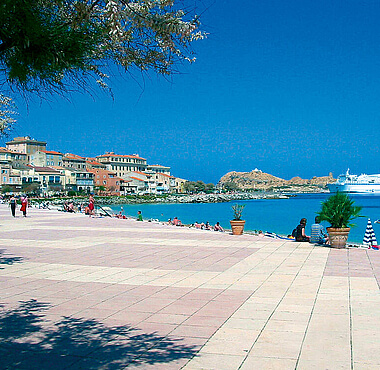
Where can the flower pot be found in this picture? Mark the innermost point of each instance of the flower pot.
(237, 227)
(338, 236)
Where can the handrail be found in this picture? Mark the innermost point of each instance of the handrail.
(105, 211)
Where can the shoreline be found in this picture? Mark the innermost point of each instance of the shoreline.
(169, 199)
(267, 236)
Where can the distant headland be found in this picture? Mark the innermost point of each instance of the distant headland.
(257, 180)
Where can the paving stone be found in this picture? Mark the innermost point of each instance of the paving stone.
(79, 292)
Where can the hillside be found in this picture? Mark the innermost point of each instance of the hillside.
(258, 180)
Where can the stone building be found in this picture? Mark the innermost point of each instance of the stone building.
(122, 164)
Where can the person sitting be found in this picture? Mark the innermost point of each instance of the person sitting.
(217, 227)
(197, 225)
(170, 221)
(208, 226)
(260, 234)
(318, 233)
(177, 222)
(300, 234)
(70, 207)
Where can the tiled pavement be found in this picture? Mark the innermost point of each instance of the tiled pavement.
(84, 293)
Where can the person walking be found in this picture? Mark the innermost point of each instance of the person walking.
(12, 203)
(24, 205)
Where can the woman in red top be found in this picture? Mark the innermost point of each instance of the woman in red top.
(24, 205)
(91, 205)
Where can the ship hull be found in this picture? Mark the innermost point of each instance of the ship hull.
(354, 188)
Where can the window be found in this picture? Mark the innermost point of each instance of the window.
(104, 176)
(104, 182)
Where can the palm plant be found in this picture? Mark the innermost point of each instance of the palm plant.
(339, 211)
(237, 210)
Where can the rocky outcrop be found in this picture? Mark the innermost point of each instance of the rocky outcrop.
(258, 180)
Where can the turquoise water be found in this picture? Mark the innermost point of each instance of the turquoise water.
(280, 216)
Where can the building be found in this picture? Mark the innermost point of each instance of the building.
(15, 159)
(134, 185)
(26, 161)
(107, 179)
(150, 185)
(76, 180)
(179, 185)
(26, 145)
(164, 182)
(156, 168)
(41, 179)
(122, 164)
(9, 177)
(46, 158)
(93, 163)
(77, 162)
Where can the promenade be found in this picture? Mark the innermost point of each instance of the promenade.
(85, 293)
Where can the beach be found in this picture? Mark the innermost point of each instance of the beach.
(82, 292)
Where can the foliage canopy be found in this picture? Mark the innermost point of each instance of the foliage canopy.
(55, 46)
(198, 187)
(339, 210)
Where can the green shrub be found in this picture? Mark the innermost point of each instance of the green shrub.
(339, 211)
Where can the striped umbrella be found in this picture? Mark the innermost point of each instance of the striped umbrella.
(369, 236)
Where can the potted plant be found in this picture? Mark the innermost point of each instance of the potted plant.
(237, 224)
(339, 211)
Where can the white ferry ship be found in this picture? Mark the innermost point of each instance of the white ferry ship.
(349, 183)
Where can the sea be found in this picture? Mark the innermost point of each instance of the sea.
(279, 216)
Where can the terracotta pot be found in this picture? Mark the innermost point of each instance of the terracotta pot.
(338, 236)
(237, 227)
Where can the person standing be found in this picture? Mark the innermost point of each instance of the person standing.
(24, 205)
(12, 203)
(91, 204)
(139, 216)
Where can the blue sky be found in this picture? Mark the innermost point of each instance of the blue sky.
(290, 87)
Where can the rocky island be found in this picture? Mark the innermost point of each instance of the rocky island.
(257, 180)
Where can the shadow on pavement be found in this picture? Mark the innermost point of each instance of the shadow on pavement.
(8, 260)
(28, 340)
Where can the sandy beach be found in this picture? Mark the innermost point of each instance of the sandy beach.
(81, 292)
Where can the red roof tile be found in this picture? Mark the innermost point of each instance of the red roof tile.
(51, 152)
(142, 173)
(74, 156)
